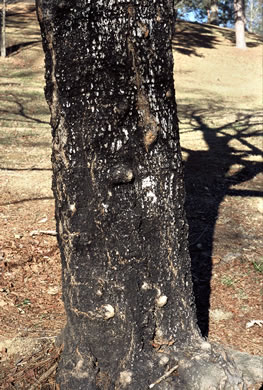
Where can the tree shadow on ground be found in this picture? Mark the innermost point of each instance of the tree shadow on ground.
(14, 49)
(26, 200)
(30, 8)
(208, 179)
(191, 36)
(24, 169)
(21, 110)
(231, 36)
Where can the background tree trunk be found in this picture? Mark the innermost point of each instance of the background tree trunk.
(239, 8)
(118, 186)
(251, 10)
(212, 13)
(3, 28)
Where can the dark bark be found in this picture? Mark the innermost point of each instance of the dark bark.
(118, 185)
(240, 21)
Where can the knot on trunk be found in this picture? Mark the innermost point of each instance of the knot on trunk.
(120, 174)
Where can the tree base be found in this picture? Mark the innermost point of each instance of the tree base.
(215, 367)
(203, 367)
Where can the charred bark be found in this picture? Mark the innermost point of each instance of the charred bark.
(118, 186)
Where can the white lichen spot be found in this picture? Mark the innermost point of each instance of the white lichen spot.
(79, 364)
(126, 134)
(147, 182)
(119, 144)
(125, 378)
(79, 370)
(150, 364)
(146, 286)
(161, 301)
(139, 32)
(109, 311)
(184, 303)
(151, 196)
(113, 147)
(129, 175)
(105, 206)
(158, 292)
(72, 208)
(198, 357)
(158, 334)
(164, 359)
(60, 228)
(205, 346)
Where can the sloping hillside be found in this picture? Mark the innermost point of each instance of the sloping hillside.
(210, 71)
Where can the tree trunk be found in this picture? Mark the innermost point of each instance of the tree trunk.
(118, 186)
(212, 13)
(2, 43)
(251, 9)
(239, 8)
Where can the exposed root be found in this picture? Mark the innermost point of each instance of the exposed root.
(214, 367)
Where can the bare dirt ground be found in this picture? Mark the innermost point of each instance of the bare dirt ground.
(219, 95)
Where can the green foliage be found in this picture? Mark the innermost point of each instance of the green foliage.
(226, 15)
(227, 281)
(201, 8)
(26, 301)
(258, 265)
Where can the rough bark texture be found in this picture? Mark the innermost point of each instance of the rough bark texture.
(118, 185)
(240, 21)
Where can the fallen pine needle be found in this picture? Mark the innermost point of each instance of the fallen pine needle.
(168, 373)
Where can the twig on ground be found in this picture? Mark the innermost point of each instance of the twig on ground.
(168, 373)
(44, 376)
(47, 232)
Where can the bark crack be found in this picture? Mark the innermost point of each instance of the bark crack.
(147, 122)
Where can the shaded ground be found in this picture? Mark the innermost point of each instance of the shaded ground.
(219, 94)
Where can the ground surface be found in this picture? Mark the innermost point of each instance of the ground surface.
(219, 93)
